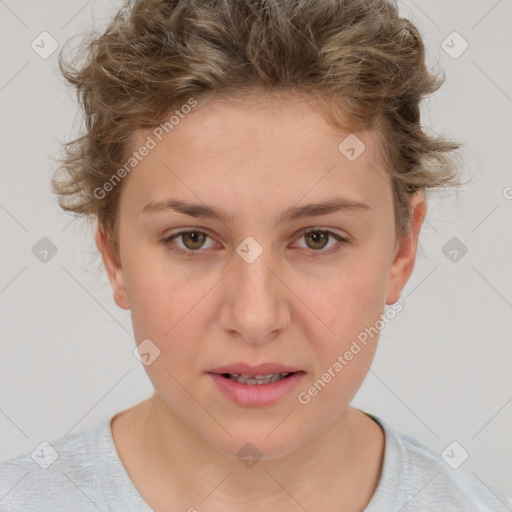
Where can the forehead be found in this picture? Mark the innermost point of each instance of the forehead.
(257, 149)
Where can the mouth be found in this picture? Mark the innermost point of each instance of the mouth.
(254, 386)
(257, 380)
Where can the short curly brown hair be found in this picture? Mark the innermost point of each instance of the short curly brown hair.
(360, 56)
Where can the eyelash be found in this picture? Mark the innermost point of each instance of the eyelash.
(191, 254)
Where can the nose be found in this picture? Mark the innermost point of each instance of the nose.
(255, 307)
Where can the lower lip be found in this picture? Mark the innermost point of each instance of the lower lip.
(257, 394)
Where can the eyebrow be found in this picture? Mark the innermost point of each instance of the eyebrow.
(198, 210)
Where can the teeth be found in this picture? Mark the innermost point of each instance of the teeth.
(258, 379)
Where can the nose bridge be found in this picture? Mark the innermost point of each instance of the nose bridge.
(254, 308)
(255, 276)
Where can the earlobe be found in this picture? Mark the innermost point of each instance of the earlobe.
(405, 252)
(113, 268)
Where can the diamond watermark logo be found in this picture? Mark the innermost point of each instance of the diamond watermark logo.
(146, 352)
(352, 147)
(44, 250)
(45, 455)
(454, 45)
(44, 45)
(454, 249)
(249, 250)
(454, 455)
(249, 454)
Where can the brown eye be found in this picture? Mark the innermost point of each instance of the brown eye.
(188, 243)
(318, 239)
(322, 242)
(193, 240)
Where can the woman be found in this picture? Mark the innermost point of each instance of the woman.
(258, 173)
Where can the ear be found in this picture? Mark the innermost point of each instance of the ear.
(113, 267)
(405, 252)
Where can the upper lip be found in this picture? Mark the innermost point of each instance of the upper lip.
(260, 369)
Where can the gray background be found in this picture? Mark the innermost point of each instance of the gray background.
(442, 370)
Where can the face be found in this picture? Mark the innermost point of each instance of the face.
(264, 279)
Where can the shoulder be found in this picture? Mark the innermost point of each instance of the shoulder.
(57, 475)
(418, 478)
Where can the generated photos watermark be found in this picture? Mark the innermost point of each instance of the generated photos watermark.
(149, 144)
(357, 345)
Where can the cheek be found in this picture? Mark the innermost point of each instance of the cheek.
(163, 306)
(342, 325)
(174, 311)
(166, 309)
(161, 293)
(340, 307)
(343, 336)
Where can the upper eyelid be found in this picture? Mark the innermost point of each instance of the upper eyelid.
(319, 228)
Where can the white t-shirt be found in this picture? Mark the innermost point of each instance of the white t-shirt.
(88, 476)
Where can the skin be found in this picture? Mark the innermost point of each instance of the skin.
(295, 304)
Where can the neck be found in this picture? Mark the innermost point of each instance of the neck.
(172, 461)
